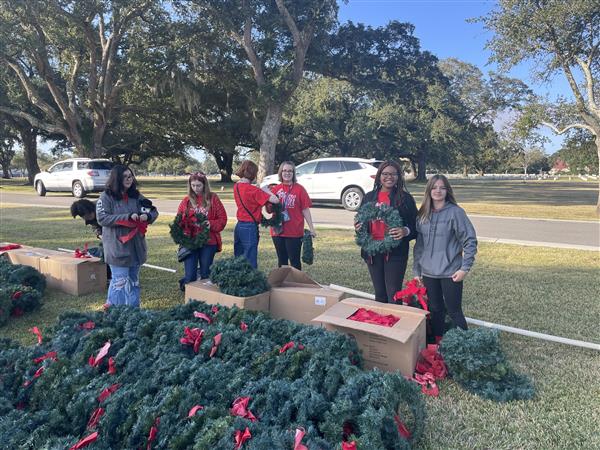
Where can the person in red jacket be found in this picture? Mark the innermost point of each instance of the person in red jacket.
(295, 204)
(249, 200)
(201, 199)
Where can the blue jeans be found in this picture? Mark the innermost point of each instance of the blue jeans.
(245, 242)
(124, 287)
(201, 258)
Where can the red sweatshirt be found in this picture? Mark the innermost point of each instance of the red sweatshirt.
(217, 217)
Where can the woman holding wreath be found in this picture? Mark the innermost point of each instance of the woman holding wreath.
(124, 247)
(387, 268)
(201, 200)
(295, 204)
(249, 200)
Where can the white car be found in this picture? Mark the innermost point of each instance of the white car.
(345, 180)
(76, 175)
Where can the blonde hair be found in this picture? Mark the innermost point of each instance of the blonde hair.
(286, 163)
(206, 194)
(426, 208)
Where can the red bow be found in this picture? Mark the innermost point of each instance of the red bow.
(108, 392)
(402, 430)
(137, 227)
(95, 418)
(82, 254)
(427, 382)
(431, 361)
(298, 445)
(349, 445)
(38, 333)
(38, 373)
(243, 326)
(153, 433)
(413, 291)
(112, 368)
(290, 345)
(192, 337)
(194, 410)
(89, 325)
(216, 343)
(240, 438)
(85, 441)
(201, 315)
(240, 409)
(94, 362)
(9, 247)
(368, 316)
(49, 355)
(189, 224)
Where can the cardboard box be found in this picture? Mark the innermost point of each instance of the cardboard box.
(295, 296)
(387, 348)
(63, 272)
(75, 276)
(205, 291)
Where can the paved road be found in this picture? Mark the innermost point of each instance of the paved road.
(542, 232)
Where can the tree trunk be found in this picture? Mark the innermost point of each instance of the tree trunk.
(224, 162)
(5, 171)
(268, 140)
(465, 171)
(422, 166)
(597, 141)
(29, 141)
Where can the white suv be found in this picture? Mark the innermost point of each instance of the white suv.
(335, 179)
(76, 175)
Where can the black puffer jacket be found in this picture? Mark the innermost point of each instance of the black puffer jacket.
(408, 211)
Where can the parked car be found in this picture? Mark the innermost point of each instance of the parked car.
(344, 180)
(76, 175)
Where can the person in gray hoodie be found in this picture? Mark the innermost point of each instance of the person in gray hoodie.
(118, 211)
(444, 253)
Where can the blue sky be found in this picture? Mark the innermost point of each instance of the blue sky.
(442, 28)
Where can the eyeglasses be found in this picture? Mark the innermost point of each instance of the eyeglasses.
(288, 171)
(389, 174)
(128, 177)
(439, 188)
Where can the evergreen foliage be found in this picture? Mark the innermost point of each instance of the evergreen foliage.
(235, 276)
(21, 289)
(476, 361)
(190, 231)
(276, 219)
(317, 385)
(369, 212)
(308, 253)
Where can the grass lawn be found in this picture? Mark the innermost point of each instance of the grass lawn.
(553, 291)
(569, 200)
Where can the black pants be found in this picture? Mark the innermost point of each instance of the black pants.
(288, 249)
(387, 275)
(445, 296)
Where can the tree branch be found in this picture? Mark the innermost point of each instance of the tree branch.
(34, 121)
(246, 43)
(589, 85)
(568, 127)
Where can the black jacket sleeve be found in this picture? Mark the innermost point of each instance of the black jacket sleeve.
(408, 211)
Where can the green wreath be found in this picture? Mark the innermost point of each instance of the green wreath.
(186, 232)
(369, 212)
(276, 219)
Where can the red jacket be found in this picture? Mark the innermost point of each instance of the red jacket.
(217, 217)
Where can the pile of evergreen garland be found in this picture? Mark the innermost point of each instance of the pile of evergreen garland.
(153, 390)
(476, 361)
(21, 289)
(236, 276)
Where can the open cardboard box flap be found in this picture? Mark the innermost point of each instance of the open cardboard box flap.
(410, 318)
(66, 259)
(287, 276)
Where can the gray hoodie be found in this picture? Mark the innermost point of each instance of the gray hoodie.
(109, 211)
(445, 243)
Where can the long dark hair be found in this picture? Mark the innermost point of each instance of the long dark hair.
(114, 184)
(397, 194)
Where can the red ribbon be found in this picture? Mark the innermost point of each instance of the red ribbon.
(240, 409)
(286, 347)
(16, 295)
(9, 247)
(94, 362)
(108, 392)
(95, 418)
(368, 316)
(216, 343)
(89, 325)
(402, 430)
(349, 445)
(215, 309)
(243, 326)
(194, 410)
(85, 441)
(192, 337)
(112, 368)
(413, 291)
(153, 433)
(82, 254)
(431, 361)
(241, 437)
(201, 315)
(17, 312)
(427, 382)
(137, 227)
(37, 374)
(298, 445)
(38, 333)
(49, 355)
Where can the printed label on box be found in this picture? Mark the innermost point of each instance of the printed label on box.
(320, 301)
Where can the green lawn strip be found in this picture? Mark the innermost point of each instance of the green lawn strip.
(540, 289)
(546, 199)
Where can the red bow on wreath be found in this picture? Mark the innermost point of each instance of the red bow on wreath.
(414, 290)
(137, 227)
(189, 224)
